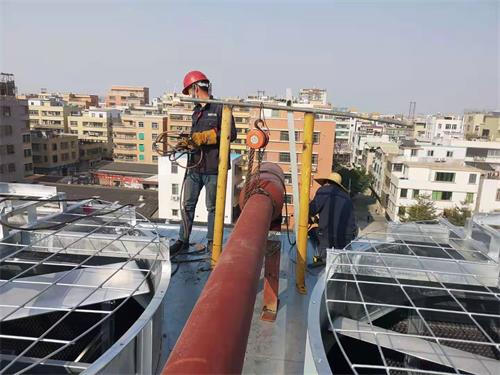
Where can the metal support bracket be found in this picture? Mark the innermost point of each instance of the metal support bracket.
(271, 278)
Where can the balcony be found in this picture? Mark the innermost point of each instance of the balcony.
(122, 157)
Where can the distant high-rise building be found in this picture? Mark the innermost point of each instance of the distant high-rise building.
(15, 143)
(54, 152)
(127, 96)
(133, 138)
(49, 114)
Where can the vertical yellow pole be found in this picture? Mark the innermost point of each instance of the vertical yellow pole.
(305, 188)
(220, 201)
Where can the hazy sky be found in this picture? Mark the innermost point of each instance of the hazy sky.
(373, 55)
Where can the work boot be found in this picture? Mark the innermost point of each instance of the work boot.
(178, 246)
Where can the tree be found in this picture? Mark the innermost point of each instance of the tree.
(457, 215)
(423, 210)
(356, 179)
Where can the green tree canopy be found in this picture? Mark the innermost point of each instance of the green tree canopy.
(356, 179)
(423, 210)
(457, 215)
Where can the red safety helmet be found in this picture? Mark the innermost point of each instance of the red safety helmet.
(191, 78)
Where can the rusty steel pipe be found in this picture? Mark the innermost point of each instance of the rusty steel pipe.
(215, 336)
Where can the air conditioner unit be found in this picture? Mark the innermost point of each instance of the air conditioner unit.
(175, 198)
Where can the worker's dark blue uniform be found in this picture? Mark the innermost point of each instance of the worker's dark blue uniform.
(337, 223)
(205, 174)
(205, 118)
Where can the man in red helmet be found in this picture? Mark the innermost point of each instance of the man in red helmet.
(205, 136)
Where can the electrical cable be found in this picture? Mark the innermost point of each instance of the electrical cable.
(36, 199)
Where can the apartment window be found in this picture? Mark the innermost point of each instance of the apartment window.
(288, 199)
(35, 146)
(316, 138)
(141, 136)
(445, 177)
(73, 155)
(494, 153)
(414, 152)
(448, 126)
(64, 145)
(73, 144)
(54, 158)
(73, 122)
(449, 154)
(275, 113)
(12, 167)
(141, 157)
(404, 193)
(27, 153)
(141, 147)
(28, 167)
(497, 198)
(175, 189)
(154, 136)
(472, 178)
(141, 124)
(288, 178)
(65, 156)
(284, 135)
(45, 159)
(401, 211)
(430, 152)
(175, 212)
(155, 157)
(6, 110)
(469, 198)
(416, 192)
(315, 159)
(54, 146)
(398, 167)
(174, 169)
(10, 149)
(6, 130)
(101, 115)
(154, 125)
(284, 157)
(26, 138)
(441, 195)
(454, 127)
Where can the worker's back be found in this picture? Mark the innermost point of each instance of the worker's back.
(337, 223)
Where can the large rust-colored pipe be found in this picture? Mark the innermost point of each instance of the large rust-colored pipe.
(215, 336)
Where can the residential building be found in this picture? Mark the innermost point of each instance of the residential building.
(81, 100)
(133, 138)
(489, 196)
(170, 177)
(445, 127)
(358, 144)
(472, 123)
(54, 153)
(126, 96)
(490, 129)
(449, 184)
(49, 114)
(15, 141)
(313, 96)
(419, 128)
(94, 128)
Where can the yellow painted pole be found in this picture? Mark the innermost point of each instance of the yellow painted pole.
(220, 201)
(305, 189)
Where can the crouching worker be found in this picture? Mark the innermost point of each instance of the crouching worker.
(336, 224)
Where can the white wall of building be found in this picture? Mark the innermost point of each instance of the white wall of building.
(423, 179)
(169, 203)
(489, 198)
(444, 127)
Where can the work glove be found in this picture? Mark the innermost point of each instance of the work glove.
(184, 144)
(207, 137)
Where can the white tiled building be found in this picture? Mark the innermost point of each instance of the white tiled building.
(448, 184)
(446, 127)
